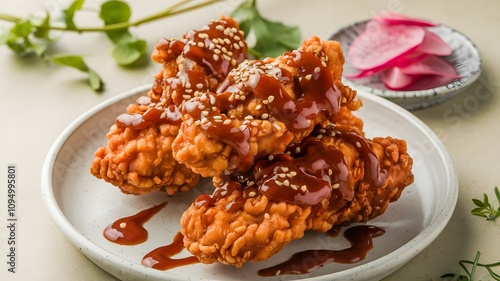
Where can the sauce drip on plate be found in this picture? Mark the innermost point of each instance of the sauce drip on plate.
(130, 230)
(361, 241)
(161, 257)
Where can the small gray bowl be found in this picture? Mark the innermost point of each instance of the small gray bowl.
(465, 57)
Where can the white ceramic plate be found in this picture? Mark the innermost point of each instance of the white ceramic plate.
(465, 57)
(81, 205)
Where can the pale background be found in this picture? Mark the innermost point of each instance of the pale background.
(39, 101)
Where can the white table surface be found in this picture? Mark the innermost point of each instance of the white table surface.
(38, 101)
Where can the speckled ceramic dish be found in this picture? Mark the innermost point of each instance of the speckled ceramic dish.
(81, 206)
(465, 58)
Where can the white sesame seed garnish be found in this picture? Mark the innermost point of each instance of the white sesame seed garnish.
(278, 183)
(284, 169)
(335, 186)
(276, 126)
(297, 150)
(282, 175)
(227, 122)
(330, 172)
(215, 57)
(286, 182)
(123, 225)
(271, 157)
(266, 216)
(199, 86)
(303, 188)
(252, 194)
(265, 116)
(201, 45)
(270, 99)
(308, 76)
(358, 144)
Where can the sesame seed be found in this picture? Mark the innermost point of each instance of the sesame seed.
(201, 45)
(276, 126)
(249, 117)
(335, 186)
(270, 158)
(270, 99)
(254, 123)
(259, 106)
(278, 272)
(199, 86)
(237, 38)
(297, 150)
(220, 27)
(218, 117)
(265, 116)
(217, 51)
(282, 175)
(358, 144)
(286, 183)
(215, 57)
(123, 225)
(284, 169)
(293, 173)
(236, 46)
(186, 97)
(294, 187)
(303, 188)
(227, 41)
(227, 122)
(250, 183)
(203, 35)
(330, 172)
(319, 137)
(308, 76)
(252, 194)
(278, 183)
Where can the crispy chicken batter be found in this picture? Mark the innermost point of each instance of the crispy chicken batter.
(138, 157)
(262, 107)
(252, 219)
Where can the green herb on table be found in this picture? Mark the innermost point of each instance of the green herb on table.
(469, 275)
(32, 36)
(272, 38)
(485, 209)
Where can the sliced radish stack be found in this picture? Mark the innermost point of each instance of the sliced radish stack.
(402, 50)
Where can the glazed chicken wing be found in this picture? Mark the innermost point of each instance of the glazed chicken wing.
(334, 176)
(262, 107)
(138, 157)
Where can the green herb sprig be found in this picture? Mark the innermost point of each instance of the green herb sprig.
(32, 36)
(469, 275)
(485, 209)
(272, 38)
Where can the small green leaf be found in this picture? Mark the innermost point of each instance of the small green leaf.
(497, 194)
(77, 62)
(129, 52)
(113, 12)
(272, 38)
(478, 203)
(486, 201)
(42, 28)
(69, 13)
(22, 29)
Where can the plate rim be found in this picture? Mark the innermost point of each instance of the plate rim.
(403, 254)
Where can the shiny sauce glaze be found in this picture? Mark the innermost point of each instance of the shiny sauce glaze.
(306, 175)
(161, 257)
(360, 237)
(202, 56)
(308, 172)
(316, 98)
(130, 230)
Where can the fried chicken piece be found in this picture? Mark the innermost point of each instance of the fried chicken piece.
(138, 157)
(334, 176)
(262, 107)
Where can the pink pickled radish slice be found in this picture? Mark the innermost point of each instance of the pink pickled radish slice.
(392, 18)
(431, 65)
(380, 45)
(412, 57)
(434, 45)
(394, 79)
(429, 82)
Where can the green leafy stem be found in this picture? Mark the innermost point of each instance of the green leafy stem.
(469, 274)
(34, 35)
(485, 209)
